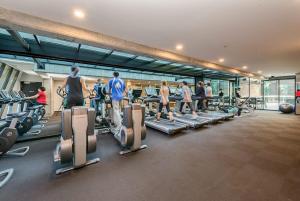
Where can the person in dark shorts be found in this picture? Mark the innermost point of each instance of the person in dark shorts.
(164, 101)
(200, 94)
(74, 86)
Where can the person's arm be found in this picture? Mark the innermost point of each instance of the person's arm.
(33, 97)
(84, 87)
(64, 84)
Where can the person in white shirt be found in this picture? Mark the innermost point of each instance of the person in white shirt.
(208, 90)
(208, 93)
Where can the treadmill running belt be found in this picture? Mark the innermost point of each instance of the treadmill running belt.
(165, 126)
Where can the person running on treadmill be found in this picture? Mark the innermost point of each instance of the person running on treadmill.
(164, 101)
(200, 93)
(74, 85)
(117, 89)
(187, 98)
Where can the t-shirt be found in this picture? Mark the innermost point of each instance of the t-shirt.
(100, 91)
(117, 87)
(208, 91)
(186, 94)
(221, 94)
(42, 98)
(200, 92)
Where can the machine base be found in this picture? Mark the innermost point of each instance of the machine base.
(67, 169)
(22, 151)
(6, 174)
(134, 150)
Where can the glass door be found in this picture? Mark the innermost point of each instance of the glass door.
(287, 91)
(271, 95)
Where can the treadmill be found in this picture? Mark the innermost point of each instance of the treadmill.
(214, 118)
(187, 119)
(163, 125)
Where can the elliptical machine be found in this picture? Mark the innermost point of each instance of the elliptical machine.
(78, 138)
(133, 129)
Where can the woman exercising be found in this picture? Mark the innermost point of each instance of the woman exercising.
(74, 85)
(40, 97)
(164, 101)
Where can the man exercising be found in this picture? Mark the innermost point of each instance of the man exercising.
(99, 89)
(74, 85)
(187, 98)
(164, 101)
(200, 94)
(117, 89)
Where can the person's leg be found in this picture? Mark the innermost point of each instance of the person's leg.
(116, 113)
(192, 108)
(181, 106)
(169, 111)
(159, 111)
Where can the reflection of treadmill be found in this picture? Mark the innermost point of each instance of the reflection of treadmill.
(163, 125)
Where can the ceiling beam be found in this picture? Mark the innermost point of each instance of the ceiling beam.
(37, 40)
(107, 55)
(17, 37)
(129, 59)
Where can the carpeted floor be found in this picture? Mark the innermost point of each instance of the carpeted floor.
(251, 158)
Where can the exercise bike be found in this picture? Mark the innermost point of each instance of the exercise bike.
(8, 137)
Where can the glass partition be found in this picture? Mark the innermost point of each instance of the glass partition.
(244, 86)
(277, 92)
(216, 85)
(287, 91)
(271, 95)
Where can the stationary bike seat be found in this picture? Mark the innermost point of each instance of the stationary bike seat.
(35, 107)
(18, 114)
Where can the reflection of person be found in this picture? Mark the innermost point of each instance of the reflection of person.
(40, 98)
(117, 89)
(164, 101)
(74, 85)
(238, 96)
(187, 98)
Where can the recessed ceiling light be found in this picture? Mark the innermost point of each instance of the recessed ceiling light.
(78, 13)
(179, 47)
(221, 60)
(245, 67)
(259, 72)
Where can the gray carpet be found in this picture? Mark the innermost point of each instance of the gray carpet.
(251, 158)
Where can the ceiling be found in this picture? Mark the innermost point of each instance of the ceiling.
(262, 34)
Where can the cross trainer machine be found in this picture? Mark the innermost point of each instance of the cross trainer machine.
(133, 129)
(78, 139)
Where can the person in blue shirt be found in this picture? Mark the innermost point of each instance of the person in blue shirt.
(117, 89)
